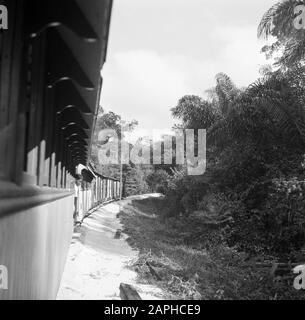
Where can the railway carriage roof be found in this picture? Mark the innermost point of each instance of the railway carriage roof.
(76, 36)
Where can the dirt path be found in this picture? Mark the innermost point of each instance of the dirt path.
(98, 261)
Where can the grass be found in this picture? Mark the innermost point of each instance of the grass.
(193, 261)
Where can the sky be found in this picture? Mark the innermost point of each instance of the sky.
(161, 50)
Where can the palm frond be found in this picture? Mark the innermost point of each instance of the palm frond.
(269, 109)
(226, 91)
(266, 25)
(278, 20)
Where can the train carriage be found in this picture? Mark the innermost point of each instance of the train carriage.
(50, 61)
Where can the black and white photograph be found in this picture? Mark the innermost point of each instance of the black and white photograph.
(152, 150)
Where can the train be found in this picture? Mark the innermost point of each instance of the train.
(93, 189)
(51, 56)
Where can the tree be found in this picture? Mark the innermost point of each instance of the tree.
(256, 137)
(195, 112)
(158, 181)
(226, 92)
(268, 111)
(109, 120)
(280, 22)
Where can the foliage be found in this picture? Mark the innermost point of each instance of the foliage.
(183, 193)
(277, 22)
(134, 177)
(195, 112)
(256, 138)
(191, 266)
(158, 181)
(270, 218)
(270, 111)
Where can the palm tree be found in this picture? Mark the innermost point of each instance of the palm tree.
(271, 109)
(195, 112)
(226, 92)
(279, 22)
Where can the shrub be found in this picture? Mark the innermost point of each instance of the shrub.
(158, 181)
(270, 217)
(184, 193)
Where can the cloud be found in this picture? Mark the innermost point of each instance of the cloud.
(240, 55)
(145, 84)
